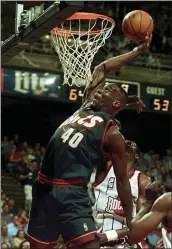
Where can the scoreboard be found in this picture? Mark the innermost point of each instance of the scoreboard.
(44, 85)
(157, 97)
(74, 93)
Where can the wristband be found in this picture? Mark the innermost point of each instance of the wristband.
(111, 235)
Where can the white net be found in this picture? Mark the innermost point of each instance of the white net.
(76, 49)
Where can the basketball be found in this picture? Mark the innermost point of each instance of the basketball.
(137, 24)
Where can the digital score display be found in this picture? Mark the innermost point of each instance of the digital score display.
(157, 97)
(75, 94)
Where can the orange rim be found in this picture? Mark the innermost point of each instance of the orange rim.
(82, 16)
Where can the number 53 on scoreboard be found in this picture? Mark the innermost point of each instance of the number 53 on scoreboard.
(161, 105)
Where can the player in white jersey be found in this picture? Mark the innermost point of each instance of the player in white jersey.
(108, 211)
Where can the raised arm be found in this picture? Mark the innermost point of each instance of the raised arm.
(109, 65)
(148, 219)
(115, 144)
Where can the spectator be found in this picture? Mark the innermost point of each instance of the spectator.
(152, 240)
(6, 150)
(35, 169)
(24, 147)
(16, 140)
(143, 163)
(14, 226)
(4, 142)
(12, 207)
(4, 246)
(19, 238)
(30, 154)
(3, 198)
(3, 160)
(24, 245)
(168, 159)
(14, 158)
(42, 152)
(148, 156)
(37, 148)
(5, 238)
(23, 219)
(25, 178)
(168, 181)
(5, 216)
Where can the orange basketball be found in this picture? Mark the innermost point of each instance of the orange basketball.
(136, 24)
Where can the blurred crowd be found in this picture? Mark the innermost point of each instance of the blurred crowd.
(22, 161)
(158, 10)
(162, 39)
(158, 168)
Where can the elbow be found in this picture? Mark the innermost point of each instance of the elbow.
(133, 235)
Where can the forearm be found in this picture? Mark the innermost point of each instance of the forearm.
(124, 191)
(104, 68)
(136, 234)
(115, 63)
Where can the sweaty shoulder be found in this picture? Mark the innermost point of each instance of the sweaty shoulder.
(163, 203)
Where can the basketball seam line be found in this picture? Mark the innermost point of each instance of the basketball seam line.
(132, 28)
(140, 21)
(147, 28)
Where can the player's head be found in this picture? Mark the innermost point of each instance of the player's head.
(111, 99)
(132, 152)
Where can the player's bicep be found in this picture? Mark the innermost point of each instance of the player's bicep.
(146, 225)
(116, 150)
(141, 227)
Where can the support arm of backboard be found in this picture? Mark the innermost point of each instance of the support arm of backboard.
(37, 28)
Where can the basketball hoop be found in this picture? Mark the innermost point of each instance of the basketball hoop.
(77, 42)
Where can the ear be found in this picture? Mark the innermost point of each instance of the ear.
(116, 103)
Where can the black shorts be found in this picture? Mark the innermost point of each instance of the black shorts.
(58, 211)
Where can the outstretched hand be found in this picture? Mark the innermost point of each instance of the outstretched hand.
(145, 45)
(153, 191)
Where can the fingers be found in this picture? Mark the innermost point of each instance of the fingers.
(148, 39)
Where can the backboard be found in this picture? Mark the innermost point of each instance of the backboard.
(38, 18)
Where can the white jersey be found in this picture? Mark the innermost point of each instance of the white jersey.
(166, 237)
(108, 202)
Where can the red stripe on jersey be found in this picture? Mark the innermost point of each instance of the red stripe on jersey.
(104, 176)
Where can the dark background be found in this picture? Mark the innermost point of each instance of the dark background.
(36, 120)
